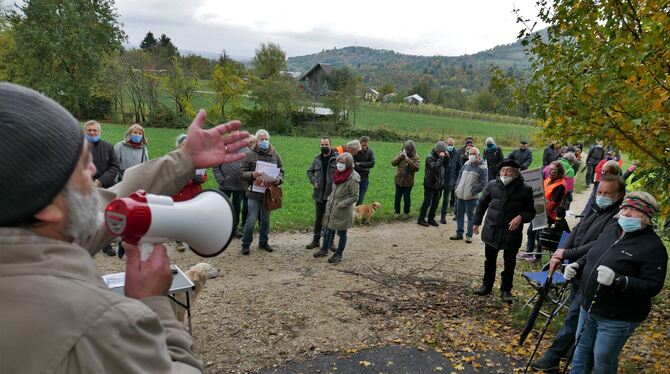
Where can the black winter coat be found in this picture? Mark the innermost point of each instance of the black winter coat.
(434, 176)
(452, 166)
(364, 161)
(503, 204)
(550, 155)
(523, 157)
(105, 161)
(639, 260)
(493, 158)
(588, 229)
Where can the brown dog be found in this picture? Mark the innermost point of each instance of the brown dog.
(364, 212)
(198, 274)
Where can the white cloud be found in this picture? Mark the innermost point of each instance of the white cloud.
(301, 27)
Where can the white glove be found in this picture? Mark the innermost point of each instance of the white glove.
(570, 271)
(605, 275)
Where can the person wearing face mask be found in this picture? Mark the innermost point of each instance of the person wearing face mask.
(320, 175)
(105, 161)
(494, 156)
(261, 151)
(131, 151)
(407, 164)
(624, 269)
(593, 158)
(610, 167)
(522, 156)
(451, 169)
(471, 181)
(58, 316)
(340, 208)
(611, 191)
(508, 204)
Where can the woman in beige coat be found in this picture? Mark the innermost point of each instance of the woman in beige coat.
(340, 207)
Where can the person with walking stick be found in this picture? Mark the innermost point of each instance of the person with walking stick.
(622, 272)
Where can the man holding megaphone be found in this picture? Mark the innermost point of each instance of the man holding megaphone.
(58, 314)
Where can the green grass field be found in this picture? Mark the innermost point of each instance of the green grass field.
(297, 154)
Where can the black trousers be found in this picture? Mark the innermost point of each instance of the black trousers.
(431, 198)
(239, 199)
(318, 220)
(509, 256)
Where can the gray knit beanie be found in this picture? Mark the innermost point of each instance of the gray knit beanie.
(440, 147)
(40, 145)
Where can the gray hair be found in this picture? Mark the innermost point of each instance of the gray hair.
(476, 149)
(612, 166)
(348, 159)
(354, 144)
(92, 123)
(570, 156)
(489, 140)
(262, 132)
(411, 147)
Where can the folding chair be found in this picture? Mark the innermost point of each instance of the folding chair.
(536, 279)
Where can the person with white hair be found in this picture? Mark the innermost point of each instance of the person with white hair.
(621, 273)
(493, 156)
(58, 316)
(261, 151)
(471, 181)
(352, 147)
(339, 215)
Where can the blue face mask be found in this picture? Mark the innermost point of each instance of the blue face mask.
(450, 148)
(93, 139)
(136, 138)
(491, 146)
(630, 224)
(264, 144)
(603, 201)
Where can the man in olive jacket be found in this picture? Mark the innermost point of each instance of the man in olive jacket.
(320, 175)
(509, 202)
(57, 314)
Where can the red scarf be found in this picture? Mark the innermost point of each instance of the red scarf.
(341, 177)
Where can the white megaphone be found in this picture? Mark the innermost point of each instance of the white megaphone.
(204, 222)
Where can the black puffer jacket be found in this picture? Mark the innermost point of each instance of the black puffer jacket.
(587, 231)
(503, 204)
(434, 176)
(639, 260)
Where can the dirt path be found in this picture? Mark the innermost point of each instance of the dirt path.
(270, 308)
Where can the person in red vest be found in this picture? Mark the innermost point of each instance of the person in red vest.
(192, 187)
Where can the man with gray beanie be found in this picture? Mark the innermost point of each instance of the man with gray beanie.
(57, 314)
(432, 184)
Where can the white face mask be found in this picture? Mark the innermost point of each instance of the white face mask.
(341, 167)
(506, 179)
(472, 158)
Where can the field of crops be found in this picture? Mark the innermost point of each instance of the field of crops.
(297, 154)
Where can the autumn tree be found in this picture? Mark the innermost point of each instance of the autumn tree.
(603, 72)
(228, 81)
(61, 46)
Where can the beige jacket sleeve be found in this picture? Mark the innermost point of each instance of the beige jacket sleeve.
(161, 176)
(131, 339)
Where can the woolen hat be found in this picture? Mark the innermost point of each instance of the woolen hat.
(40, 145)
(509, 163)
(440, 147)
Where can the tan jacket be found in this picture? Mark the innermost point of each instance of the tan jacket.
(57, 315)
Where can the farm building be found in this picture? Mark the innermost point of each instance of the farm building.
(371, 95)
(314, 80)
(414, 99)
(390, 97)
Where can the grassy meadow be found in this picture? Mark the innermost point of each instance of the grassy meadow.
(297, 154)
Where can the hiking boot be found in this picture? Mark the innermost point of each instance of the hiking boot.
(109, 251)
(334, 259)
(405, 216)
(443, 219)
(332, 247)
(483, 290)
(313, 244)
(321, 253)
(456, 237)
(422, 222)
(506, 296)
(396, 215)
(266, 247)
(245, 250)
(238, 234)
(546, 364)
(432, 222)
(468, 239)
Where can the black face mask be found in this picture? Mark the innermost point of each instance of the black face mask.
(325, 150)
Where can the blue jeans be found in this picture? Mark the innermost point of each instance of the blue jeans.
(404, 193)
(463, 207)
(256, 206)
(362, 189)
(565, 338)
(600, 344)
(330, 236)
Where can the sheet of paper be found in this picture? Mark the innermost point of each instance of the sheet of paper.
(114, 280)
(269, 173)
